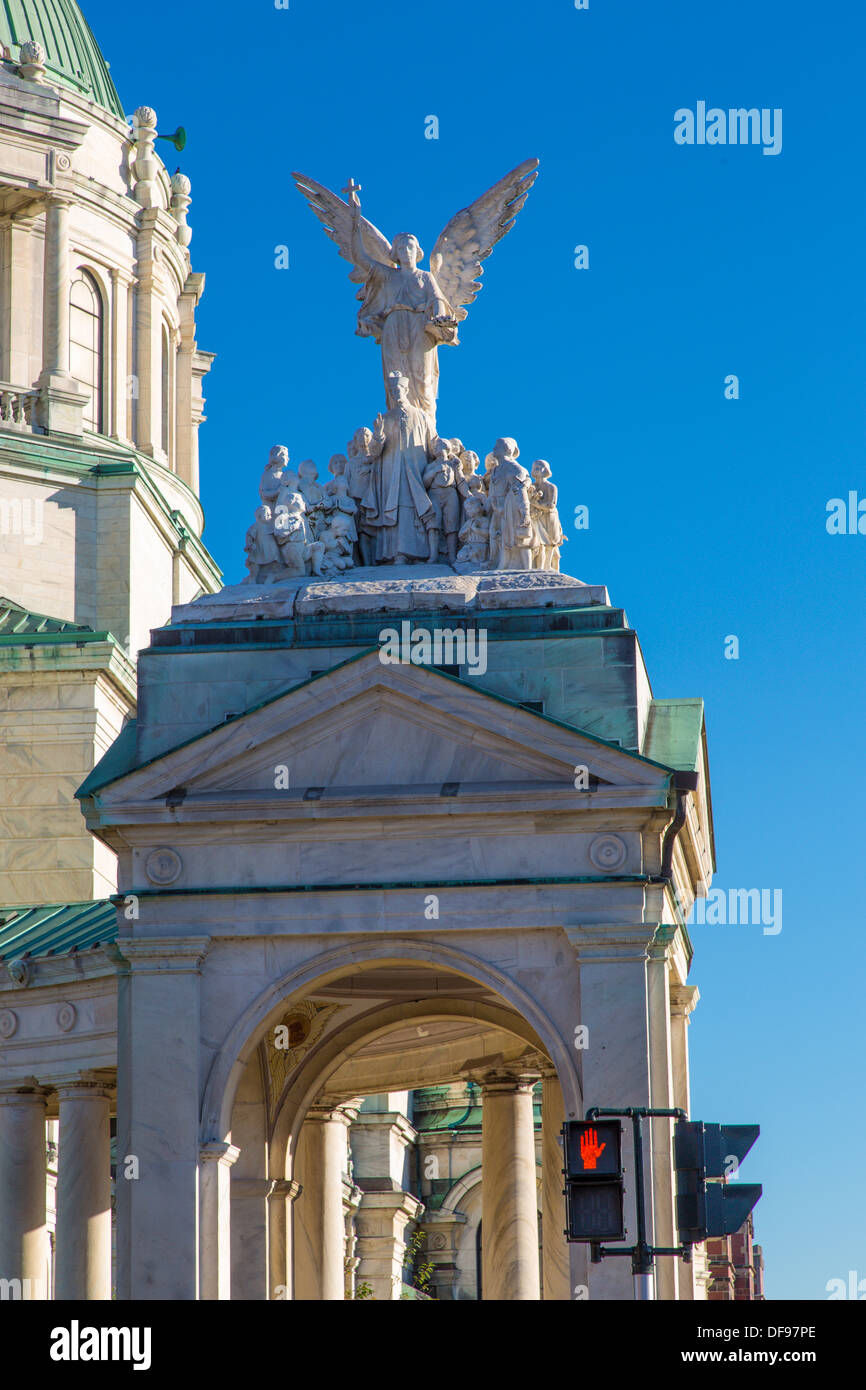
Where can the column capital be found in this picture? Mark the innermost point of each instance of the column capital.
(684, 999)
(158, 955)
(24, 1092)
(286, 1187)
(217, 1151)
(508, 1080)
(324, 1113)
(83, 1088)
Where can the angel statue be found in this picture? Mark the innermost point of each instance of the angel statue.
(409, 311)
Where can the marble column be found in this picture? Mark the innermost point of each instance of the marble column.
(214, 1177)
(55, 309)
(319, 1227)
(83, 1239)
(23, 1235)
(554, 1247)
(16, 320)
(509, 1191)
(280, 1264)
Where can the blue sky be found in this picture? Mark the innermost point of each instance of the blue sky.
(707, 515)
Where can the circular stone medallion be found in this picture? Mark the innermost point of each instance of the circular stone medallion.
(163, 866)
(608, 853)
(66, 1016)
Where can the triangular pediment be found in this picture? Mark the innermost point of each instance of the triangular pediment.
(368, 728)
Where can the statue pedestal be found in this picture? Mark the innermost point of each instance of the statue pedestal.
(390, 589)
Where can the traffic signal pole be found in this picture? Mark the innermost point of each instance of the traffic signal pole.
(642, 1254)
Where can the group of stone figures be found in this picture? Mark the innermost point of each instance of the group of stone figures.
(402, 495)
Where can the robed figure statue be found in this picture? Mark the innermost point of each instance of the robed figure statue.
(397, 507)
(409, 311)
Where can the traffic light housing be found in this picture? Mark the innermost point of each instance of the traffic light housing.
(594, 1180)
(703, 1151)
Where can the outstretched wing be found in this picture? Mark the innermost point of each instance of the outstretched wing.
(472, 234)
(336, 218)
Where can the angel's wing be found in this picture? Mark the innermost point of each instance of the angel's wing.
(472, 234)
(336, 218)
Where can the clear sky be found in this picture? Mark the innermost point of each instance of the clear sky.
(707, 515)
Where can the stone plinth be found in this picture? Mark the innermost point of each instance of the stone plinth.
(390, 589)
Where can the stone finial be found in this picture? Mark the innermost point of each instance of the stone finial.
(145, 162)
(180, 201)
(31, 61)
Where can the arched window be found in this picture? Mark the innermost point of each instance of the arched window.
(86, 338)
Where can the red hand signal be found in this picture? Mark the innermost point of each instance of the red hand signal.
(590, 1149)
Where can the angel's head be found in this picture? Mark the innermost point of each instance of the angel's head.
(406, 250)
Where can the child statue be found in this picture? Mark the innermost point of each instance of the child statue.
(276, 475)
(439, 479)
(474, 534)
(300, 553)
(358, 468)
(547, 533)
(263, 554)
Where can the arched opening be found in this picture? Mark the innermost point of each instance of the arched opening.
(87, 345)
(337, 1155)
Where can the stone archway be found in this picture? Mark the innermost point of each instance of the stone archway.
(385, 1026)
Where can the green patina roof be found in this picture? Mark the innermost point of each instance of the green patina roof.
(72, 55)
(673, 733)
(16, 621)
(53, 929)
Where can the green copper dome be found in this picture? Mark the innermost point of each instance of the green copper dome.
(72, 56)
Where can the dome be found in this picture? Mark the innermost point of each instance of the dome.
(72, 56)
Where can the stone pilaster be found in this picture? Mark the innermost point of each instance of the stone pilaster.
(83, 1239)
(381, 1240)
(158, 1117)
(509, 1193)
(284, 1192)
(188, 397)
(554, 1247)
(121, 383)
(23, 1235)
(15, 310)
(62, 400)
(683, 1000)
(215, 1163)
